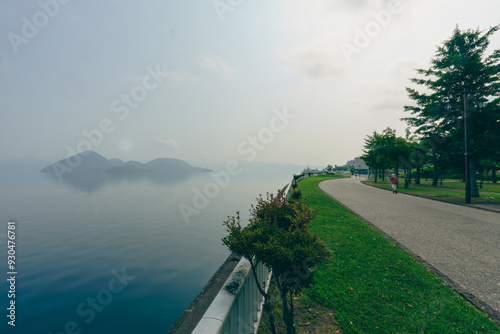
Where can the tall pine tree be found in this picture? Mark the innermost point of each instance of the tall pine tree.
(459, 69)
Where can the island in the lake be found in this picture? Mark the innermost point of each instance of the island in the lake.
(90, 169)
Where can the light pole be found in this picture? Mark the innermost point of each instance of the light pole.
(480, 105)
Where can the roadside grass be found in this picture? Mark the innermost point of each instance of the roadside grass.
(450, 191)
(457, 184)
(374, 286)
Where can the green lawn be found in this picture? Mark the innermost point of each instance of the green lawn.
(456, 184)
(451, 191)
(374, 286)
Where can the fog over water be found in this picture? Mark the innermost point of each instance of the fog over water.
(118, 256)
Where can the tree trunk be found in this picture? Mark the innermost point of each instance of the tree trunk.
(494, 174)
(292, 312)
(436, 171)
(407, 177)
(287, 317)
(376, 174)
(268, 306)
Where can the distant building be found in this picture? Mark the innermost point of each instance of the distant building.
(311, 171)
(359, 165)
(351, 163)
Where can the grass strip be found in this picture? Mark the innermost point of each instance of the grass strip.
(445, 193)
(457, 184)
(374, 286)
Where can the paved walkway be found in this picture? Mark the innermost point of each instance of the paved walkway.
(463, 243)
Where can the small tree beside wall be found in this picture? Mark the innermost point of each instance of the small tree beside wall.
(278, 236)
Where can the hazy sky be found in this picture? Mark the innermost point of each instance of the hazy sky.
(290, 81)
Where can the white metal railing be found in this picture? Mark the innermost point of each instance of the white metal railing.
(237, 308)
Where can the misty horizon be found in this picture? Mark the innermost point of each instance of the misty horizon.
(263, 81)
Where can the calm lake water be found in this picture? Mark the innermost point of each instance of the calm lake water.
(115, 257)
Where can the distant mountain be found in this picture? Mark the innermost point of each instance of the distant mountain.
(85, 162)
(94, 163)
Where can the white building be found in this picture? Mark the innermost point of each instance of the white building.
(359, 165)
(311, 171)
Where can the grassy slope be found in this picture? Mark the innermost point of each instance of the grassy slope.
(374, 287)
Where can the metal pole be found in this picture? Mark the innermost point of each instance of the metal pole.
(467, 163)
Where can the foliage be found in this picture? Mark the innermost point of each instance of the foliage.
(278, 236)
(385, 150)
(372, 153)
(296, 194)
(460, 69)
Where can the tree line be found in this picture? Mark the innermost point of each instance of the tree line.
(451, 94)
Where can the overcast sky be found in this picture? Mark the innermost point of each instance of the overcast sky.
(289, 81)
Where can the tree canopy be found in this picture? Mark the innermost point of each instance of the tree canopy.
(461, 74)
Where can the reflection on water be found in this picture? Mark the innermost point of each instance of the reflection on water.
(73, 236)
(91, 182)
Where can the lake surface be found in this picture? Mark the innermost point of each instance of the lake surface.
(116, 257)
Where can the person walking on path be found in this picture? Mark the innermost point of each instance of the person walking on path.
(395, 183)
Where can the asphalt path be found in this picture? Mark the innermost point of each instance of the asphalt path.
(462, 243)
